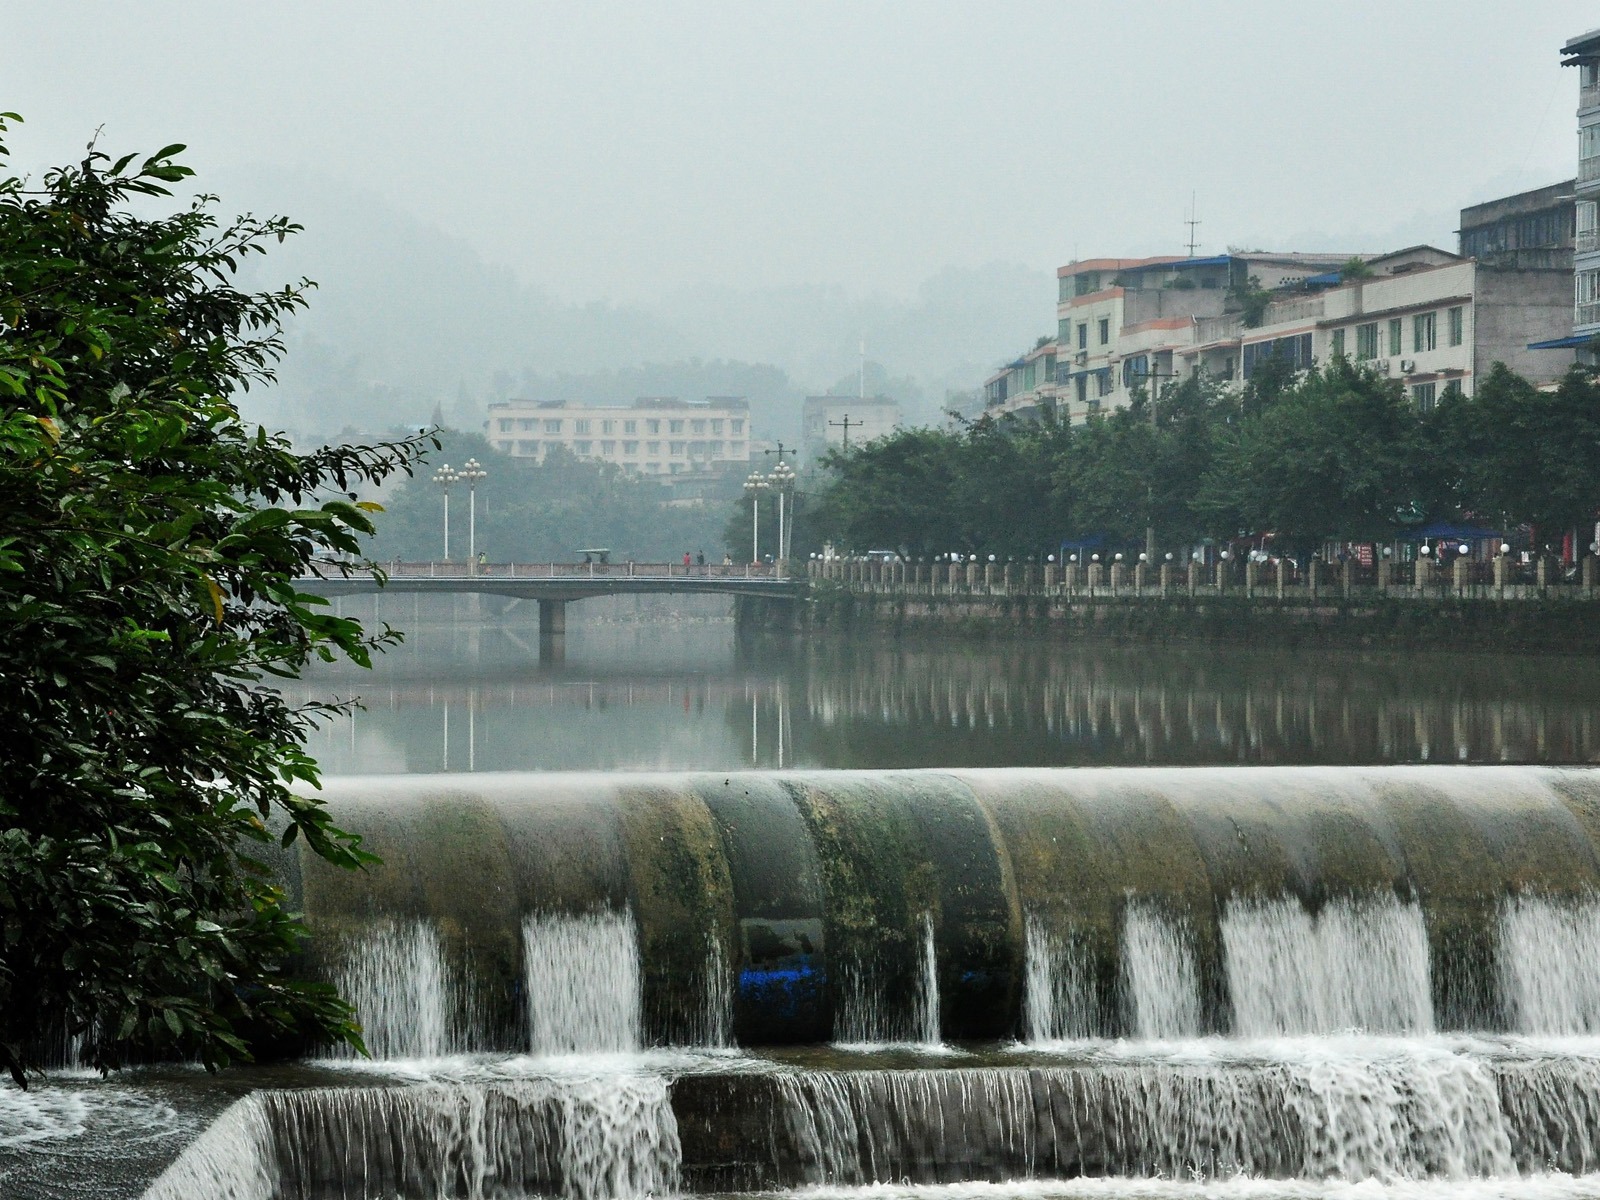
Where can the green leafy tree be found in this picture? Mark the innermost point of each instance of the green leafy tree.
(1330, 459)
(147, 593)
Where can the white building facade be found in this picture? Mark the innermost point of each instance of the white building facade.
(655, 435)
(1583, 52)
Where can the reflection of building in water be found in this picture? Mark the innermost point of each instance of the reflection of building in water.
(996, 706)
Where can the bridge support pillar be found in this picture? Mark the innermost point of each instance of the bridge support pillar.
(552, 630)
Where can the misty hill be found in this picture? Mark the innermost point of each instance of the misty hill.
(408, 317)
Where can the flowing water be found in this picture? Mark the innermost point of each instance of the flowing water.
(1275, 1008)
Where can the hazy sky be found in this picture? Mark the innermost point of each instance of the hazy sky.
(621, 152)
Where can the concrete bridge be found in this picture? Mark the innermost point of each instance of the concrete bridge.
(554, 585)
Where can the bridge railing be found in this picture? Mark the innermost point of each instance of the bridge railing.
(589, 570)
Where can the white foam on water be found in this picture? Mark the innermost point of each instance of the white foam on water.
(396, 976)
(234, 1159)
(1159, 981)
(1358, 964)
(40, 1114)
(583, 981)
(1549, 964)
(716, 1021)
(1533, 1187)
(1058, 989)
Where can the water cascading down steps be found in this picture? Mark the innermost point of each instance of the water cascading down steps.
(1299, 974)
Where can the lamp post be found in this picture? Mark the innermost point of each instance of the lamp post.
(1150, 376)
(472, 472)
(444, 477)
(782, 482)
(754, 485)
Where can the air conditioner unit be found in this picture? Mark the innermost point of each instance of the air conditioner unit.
(1083, 357)
(1408, 365)
(1381, 365)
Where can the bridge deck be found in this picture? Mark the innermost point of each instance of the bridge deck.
(560, 581)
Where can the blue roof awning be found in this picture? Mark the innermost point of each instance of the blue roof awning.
(1458, 533)
(1566, 343)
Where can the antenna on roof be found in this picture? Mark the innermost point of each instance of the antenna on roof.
(1193, 224)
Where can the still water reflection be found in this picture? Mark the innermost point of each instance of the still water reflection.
(647, 687)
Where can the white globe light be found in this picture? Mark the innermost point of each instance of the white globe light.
(1462, 549)
(1052, 558)
(1094, 558)
(1074, 558)
(1169, 555)
(1144, 557)
(1423, 550)
(991, 558)
(1119, 558)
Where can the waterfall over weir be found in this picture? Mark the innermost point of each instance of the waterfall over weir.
(1295, 976)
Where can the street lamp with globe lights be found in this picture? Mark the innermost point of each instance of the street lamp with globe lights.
(754, 485)
(781, 481)
(445, 477)
(472, 472)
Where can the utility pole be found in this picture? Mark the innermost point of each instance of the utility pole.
(847, 423)
(1150, 377)
(1193, 225)
(861, 379)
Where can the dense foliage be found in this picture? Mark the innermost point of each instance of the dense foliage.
(1338, 454)
(544, 513)
(147, 566)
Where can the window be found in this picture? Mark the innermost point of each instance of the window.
(525, 426)
(1586, 226)
(630, 427)
(505, 425)
(716, 426)
(1295, 350)
(652, 426)
(1423, 395)
(1338, 343)
(1367, 341)
(1586, 297)
(715, 449)
(580, 426)
(1395, 344)
(1105, 331)
(736, 426)
(1134, 371)
(736, 449)
(527, 447)
(697, 427)
(675, 447)
(608, 447)
(1083, 388)
(552, 426)
(1063, 331)
(1083, 335)
(674, 426)
(581, 447)
(630, 447)
(1088, 283)
(1457, 321)
(676, 469)
(653, 468)
(1105, 382)
(653, 448)
(1424, 332)
(506, 446)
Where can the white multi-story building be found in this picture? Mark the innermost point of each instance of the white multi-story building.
(655, 435)
(1432, 319)
(1583, 52)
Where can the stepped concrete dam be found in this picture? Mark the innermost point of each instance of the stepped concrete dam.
(1184, 982)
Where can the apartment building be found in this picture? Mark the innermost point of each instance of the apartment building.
(681, 440)
(823, 422)
(1583, 52)
(1431, 319)
(1530, 229)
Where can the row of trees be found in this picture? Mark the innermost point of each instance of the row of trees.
(1335, 454)
(545, 512)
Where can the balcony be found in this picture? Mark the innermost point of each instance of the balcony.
(1588, 97)
(1586, 314)
(1589, 169)
(1586, 241)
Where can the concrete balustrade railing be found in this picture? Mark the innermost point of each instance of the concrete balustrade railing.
(1250, 579)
